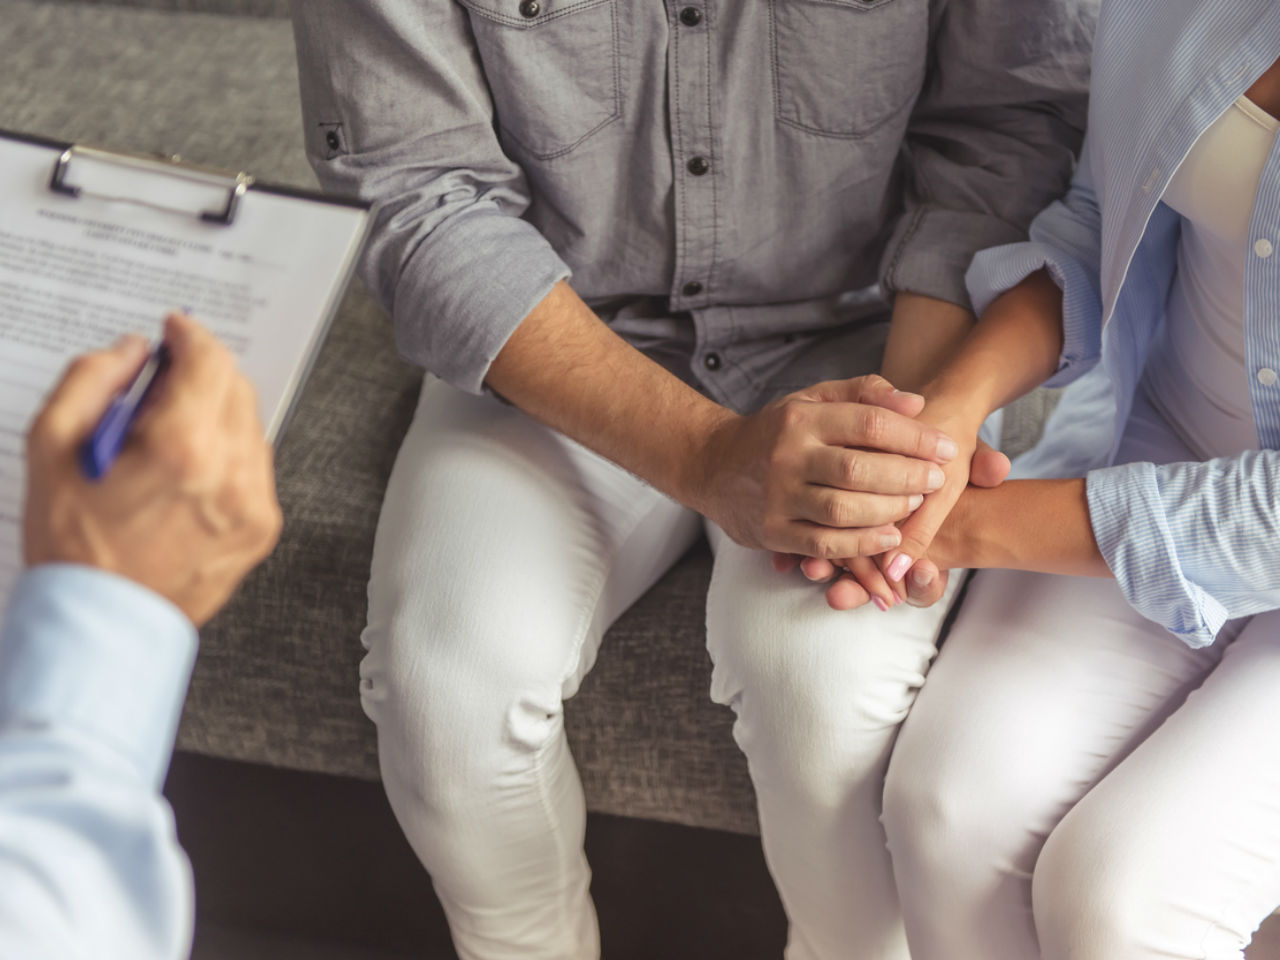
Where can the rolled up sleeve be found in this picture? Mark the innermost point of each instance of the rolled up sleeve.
(397, 112)
(1192, 545)
(993, 136)
(1066, 240)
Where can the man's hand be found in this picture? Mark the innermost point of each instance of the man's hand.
(862, 580)
(190, 506)
(826, 472)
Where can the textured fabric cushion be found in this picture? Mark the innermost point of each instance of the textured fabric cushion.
(276, 680)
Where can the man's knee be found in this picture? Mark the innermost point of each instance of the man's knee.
(815, 719)
(456, 711)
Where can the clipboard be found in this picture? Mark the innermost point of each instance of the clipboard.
(230, 190)
(95, 243)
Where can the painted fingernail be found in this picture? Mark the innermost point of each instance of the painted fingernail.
(936, 479)
(880, 604)
(899, 567)
(890, 540)
(947, 449)
(921, 577)
(915, 501)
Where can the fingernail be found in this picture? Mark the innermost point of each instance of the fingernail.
(921, 577)
(890, 540)
(899, 567)
(947, 449)
(917, 499)
(907, 395)
(880, 604)
(936, 479)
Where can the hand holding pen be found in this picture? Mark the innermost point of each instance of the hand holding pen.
(189, 506)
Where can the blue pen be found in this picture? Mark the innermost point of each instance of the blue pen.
(99, 452)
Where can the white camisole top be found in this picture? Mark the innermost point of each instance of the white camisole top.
(1197, 375)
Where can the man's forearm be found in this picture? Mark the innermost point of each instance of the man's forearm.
(1037, 525)
(564, 367)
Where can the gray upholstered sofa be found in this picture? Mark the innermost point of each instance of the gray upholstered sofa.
(276, 678)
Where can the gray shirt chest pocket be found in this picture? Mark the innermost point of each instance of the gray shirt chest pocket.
(552, 67)
(844, 68)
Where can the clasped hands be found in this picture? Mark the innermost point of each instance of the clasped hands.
(854, 480)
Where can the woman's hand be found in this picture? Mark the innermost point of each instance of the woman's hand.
(962, 422)
(862, 581)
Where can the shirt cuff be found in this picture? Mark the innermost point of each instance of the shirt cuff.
(467, 288)
(999, 270)
(931, 248)
(101, 655)
(1133, 534)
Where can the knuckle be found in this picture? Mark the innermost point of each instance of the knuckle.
(875, 425)
(793, 414)
(182, 456)
(856, 470)
(821, 546)
(270, 524)
(45, 428)
(88, 365)
(834, 510)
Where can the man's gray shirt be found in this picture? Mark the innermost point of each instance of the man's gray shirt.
(713, 174)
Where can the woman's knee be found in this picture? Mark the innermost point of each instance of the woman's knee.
(967, 792)
(1090, 898)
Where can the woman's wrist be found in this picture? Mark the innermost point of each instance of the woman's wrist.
(964, 402)
(1006, 527)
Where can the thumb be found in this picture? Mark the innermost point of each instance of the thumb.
(990, 467)
(918, 531)
(926, 584)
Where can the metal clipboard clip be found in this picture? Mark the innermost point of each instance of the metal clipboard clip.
(236, 185)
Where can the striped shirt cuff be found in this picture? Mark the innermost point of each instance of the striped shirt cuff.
(1133, 532)
(995, 272)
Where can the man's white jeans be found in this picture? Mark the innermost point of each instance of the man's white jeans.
(503, 553)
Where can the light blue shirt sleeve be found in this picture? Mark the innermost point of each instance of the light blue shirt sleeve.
(1192, 545)
(1065, 239)
(93, 672)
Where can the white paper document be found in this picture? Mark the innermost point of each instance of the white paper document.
(78, 272)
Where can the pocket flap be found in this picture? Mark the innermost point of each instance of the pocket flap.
(514, 13)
